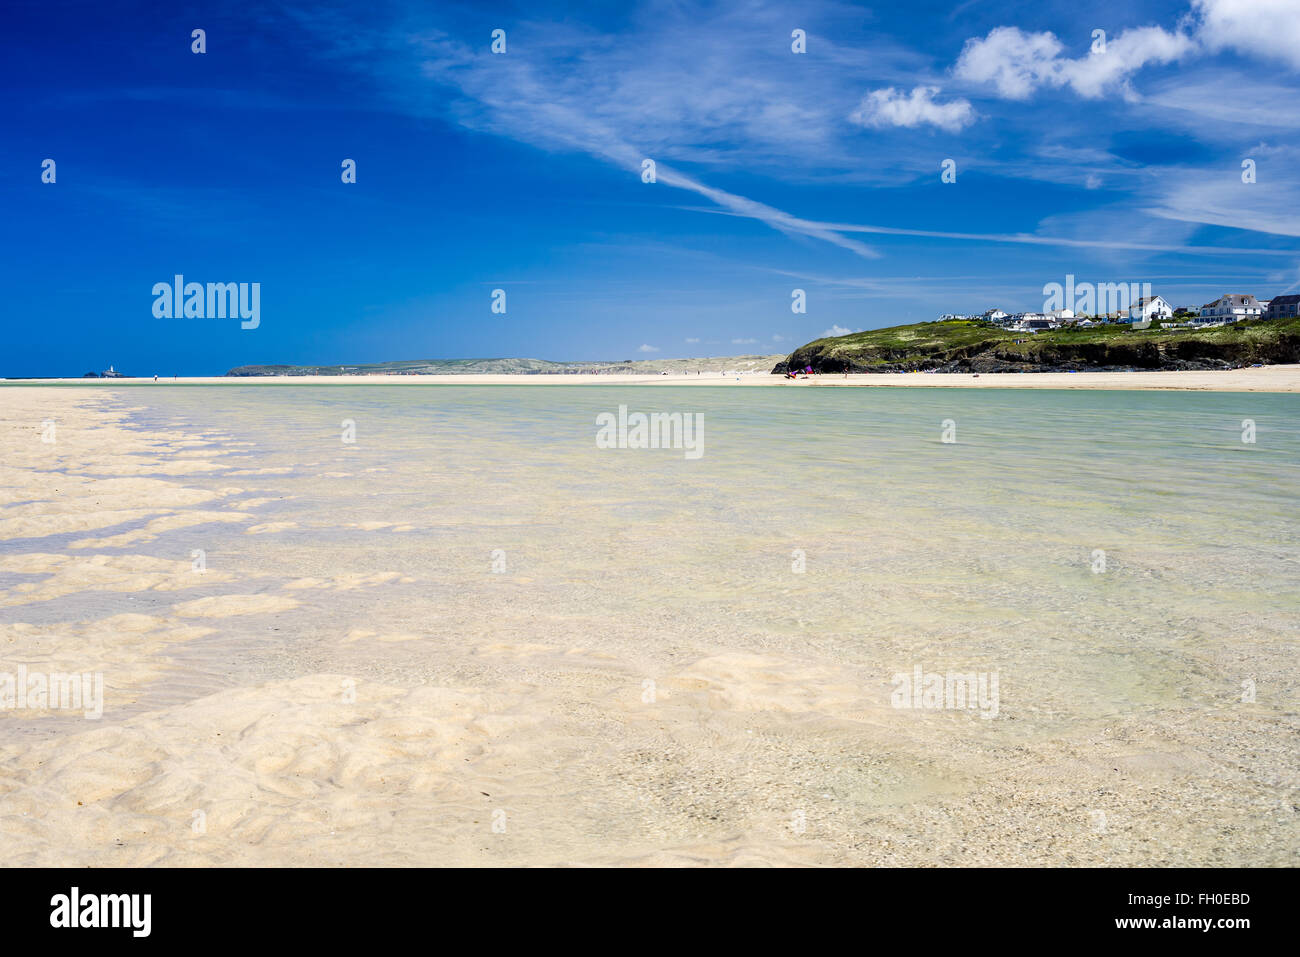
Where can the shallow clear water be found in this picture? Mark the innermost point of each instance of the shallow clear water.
(503, 592)
(974, 553)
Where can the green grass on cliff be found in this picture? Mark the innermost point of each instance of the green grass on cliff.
(923, 337)
(913, 343)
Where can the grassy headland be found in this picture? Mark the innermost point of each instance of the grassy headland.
(973, 345)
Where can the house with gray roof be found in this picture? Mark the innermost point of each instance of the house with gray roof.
(1280, 307)
(1231, 307)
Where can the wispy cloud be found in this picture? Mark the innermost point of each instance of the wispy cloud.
(1270, 204)
(1032, 239)
(619, 99)
(752, 106)
(1251, 101)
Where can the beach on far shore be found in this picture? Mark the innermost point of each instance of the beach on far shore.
(1275, 378)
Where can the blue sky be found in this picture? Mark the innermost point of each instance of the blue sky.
(522, 171)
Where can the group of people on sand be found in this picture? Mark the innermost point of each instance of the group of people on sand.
(794, 373)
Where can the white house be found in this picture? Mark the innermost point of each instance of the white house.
(1035, 322)
(994, 314)
(1150, 307)
(1230, 307)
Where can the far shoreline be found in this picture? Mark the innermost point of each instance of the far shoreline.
(1273, 378)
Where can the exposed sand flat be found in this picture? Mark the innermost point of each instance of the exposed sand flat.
(639, 685)
(1279, 378)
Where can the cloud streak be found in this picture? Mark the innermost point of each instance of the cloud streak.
(617, 101)
(1032, 239)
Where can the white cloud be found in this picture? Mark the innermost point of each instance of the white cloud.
(892, 107)
(693, 340)
(1093, 75)
(1092, 182)
(1268, 28)
(837, 330)
(776, 338)
(1016, 64)
(645, 348)
(743, 342)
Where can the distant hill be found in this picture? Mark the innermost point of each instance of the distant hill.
(979, 346)
(755, 363)
(411, 367)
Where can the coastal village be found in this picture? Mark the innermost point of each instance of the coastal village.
(1228, 308)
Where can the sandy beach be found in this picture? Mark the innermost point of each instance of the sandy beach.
(1278, 378)
(687, 434)
(349, 679)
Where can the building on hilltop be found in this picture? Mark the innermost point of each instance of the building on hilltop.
(1230, 307)
(1150, 307)
(1035, 322)
(1280, 307)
